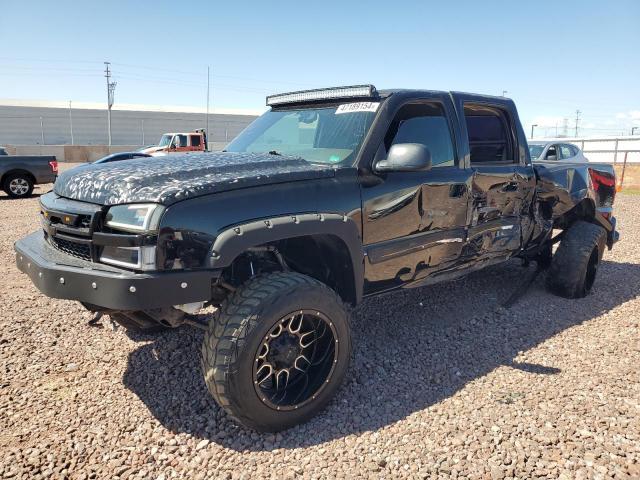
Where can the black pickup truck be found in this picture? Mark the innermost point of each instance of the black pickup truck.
(19, 173)
(331, 196)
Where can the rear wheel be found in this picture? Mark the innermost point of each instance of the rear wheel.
(278, 351)
(574, 266)
(18, 185)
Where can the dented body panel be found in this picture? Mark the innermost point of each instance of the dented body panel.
(564, 186)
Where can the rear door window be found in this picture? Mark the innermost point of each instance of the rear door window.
(490, 134)
(566, 152)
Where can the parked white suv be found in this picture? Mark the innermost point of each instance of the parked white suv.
(550, 151)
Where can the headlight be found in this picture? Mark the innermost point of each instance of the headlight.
(142, 217)
(136, 218)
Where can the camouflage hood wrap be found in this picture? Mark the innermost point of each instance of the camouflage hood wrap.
(173, 178)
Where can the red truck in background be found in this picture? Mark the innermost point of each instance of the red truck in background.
(195, 141)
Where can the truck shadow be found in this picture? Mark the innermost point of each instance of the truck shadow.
(412, 350)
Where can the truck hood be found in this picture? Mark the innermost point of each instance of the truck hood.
(173, 178)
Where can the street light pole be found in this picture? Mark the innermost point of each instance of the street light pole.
(70, 122)
(42, 131)
(532, 127)
(206, 147)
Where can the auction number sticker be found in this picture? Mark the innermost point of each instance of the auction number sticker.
(357, 107)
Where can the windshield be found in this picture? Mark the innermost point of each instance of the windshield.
(320, 135)
(535, 151)
(165, 140)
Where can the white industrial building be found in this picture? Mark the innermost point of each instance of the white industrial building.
(61, 123)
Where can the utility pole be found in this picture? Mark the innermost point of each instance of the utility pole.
(206, 147)
(532, 127)
(565, 127)
(111, 88)
(578, 112)
(71, 122)
(143, 144)
(42, 130)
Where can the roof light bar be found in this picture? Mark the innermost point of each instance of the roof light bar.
(355, 91)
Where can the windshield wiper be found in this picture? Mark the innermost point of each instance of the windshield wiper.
(275, 152)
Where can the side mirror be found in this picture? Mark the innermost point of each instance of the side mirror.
(406, 157)
(552, 157)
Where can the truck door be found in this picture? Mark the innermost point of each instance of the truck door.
(414, 222)
(503, 183)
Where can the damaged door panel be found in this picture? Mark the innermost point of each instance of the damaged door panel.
(412, 231)
(414, 222)
(501, 199)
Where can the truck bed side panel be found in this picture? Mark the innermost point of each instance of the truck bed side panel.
(563, 186)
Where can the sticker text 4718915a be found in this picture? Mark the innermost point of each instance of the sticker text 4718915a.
(357, 107)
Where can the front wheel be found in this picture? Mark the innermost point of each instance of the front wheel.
(278, 351)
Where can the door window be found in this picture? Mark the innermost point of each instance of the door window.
(195, 140)
(490, 134)
(180, 140)
(424, 123)
(566, 152)
(552, 153)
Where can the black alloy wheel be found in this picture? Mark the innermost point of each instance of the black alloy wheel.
(296, 360)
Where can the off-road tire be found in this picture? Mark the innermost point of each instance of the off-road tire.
(574, 265)
(25, 180)
(233, 338)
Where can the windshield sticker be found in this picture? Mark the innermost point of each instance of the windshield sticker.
(357, 107)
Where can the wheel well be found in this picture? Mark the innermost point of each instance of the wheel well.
(324, 257)
(13, 172)
(585, 210)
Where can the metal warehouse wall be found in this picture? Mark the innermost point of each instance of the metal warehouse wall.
(22, 126)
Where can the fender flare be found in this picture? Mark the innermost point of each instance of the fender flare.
(234, 240)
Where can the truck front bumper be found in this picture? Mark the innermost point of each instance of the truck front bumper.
(59, 275)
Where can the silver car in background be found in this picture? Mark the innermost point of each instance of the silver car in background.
(555, 151)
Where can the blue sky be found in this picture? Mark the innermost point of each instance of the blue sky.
(552, 57)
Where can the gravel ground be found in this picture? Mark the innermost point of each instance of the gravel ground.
(444, 383)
